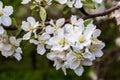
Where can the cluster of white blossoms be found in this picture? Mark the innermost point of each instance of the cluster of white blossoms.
(5, 14)
(38, 1)
(9, 45)
(71, 45)
(70, 3)
(76, 3)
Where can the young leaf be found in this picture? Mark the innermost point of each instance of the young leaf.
(42, 13)
(89, 4)
(88, 21)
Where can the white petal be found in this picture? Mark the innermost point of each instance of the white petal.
(74, 64)
(62, 1)
(12, 40)
(98, 1)
(18, 50)
(98, 53)
(7, 53)
(87, 54)
(96, 33)
(60, 22)
(25, 1)
(18, 56)
(7, 47)
(1, 5)
(50, 56)
(79, 71)
(6, 20)
(25, 25)
(49, 30)
(86, 62)
(45, 36)
(27, 36)
(70, 3)
(31, 20)
(41, 49)
(8, 10)
(35, 34)
(34, 41)
(89, 30)
(78, 4)
(1, 30)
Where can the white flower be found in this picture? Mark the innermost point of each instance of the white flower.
(38, 1)
(30, 26)
(10, 47)
(42, 39)
(58, 58)
(70, 3)
(1, 30)
(58, 42)
(5, 14)
(25, 1)
(15, 43)
(98, 1)
(76, 61)
(96, 50)
(73, 45)
(117, 41)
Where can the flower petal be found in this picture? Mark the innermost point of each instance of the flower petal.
(6, 20)
(8, 10)
(79, 71)
(40, 49)
(27, 35)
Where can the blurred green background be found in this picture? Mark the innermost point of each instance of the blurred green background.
(37, 67)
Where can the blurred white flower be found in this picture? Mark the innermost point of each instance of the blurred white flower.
(117, 41)
(71, 3)
(30, 27)
(11, 47)
(42, 39)
(5, 14)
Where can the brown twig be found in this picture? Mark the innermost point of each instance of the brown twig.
(102, 13)
(88, 16)
(10, 27)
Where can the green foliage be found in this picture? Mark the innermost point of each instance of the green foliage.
(88, 21)
(43, 14)
(89, 4)
(66, 9)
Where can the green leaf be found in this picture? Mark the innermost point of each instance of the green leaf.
(14, 23)
(43, 13)
(88, 21)
(89, 4)
(66, 9)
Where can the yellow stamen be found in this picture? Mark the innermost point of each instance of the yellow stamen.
(92, 48)
(82, 39)
(95, 39)
(1, 12)
(61, 41)
(79, 57)
(41, 41)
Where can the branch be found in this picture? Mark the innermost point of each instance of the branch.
(10, 27)
(83, 11)
(102, 13)
(88, 16)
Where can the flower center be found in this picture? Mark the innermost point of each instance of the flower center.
(41, 41)
(61, 41)
(92, 48)
(95, 39)
(79, 57)
(1, 12)
(81, 39)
